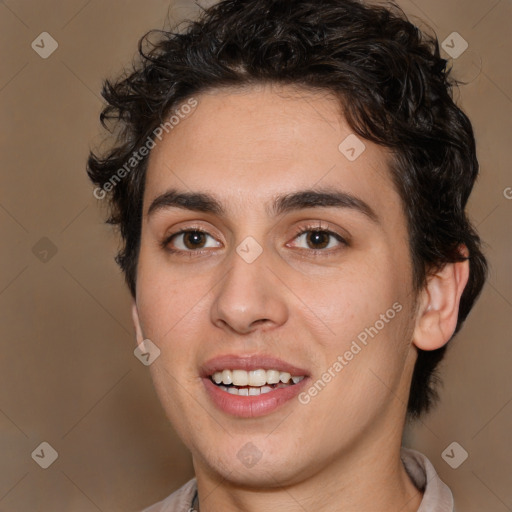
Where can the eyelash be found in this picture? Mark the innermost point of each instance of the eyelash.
(300, 231)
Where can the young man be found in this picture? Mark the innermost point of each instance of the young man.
(290, 182)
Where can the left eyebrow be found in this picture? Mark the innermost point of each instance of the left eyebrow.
(321, 198)
(300, 200)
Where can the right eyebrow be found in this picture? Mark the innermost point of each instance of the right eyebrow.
(195, 201)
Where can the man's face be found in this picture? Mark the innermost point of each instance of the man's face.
(335, 306)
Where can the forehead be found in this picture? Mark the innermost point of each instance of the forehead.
(247, 146)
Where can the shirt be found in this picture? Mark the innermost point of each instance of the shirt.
(437, 496)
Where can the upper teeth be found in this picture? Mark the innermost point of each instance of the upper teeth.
(254, 377)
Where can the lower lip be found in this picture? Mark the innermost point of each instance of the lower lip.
(252, 406)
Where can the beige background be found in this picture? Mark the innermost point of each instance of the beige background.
(68, 373)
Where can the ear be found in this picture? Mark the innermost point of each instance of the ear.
(136, 323)
(439, 305)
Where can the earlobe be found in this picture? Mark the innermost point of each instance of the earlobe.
(136, 323)
(439, 306)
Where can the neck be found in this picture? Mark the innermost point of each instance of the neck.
(373, 479)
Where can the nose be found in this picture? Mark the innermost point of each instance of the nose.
(249, 297)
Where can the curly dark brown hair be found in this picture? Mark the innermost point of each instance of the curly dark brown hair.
(393, 86)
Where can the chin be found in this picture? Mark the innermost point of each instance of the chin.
(266, 476)
(253, 467)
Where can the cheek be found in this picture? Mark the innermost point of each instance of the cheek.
(367, 311)
(353, 297)
(168, 301)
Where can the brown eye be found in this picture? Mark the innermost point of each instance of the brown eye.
(190, 240)
(318, 239)
(194, 239)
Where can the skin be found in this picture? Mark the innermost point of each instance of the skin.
(340, 451)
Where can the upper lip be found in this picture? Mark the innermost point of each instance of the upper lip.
(249, 362)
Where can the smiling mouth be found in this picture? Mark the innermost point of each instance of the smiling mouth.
(253, 382)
